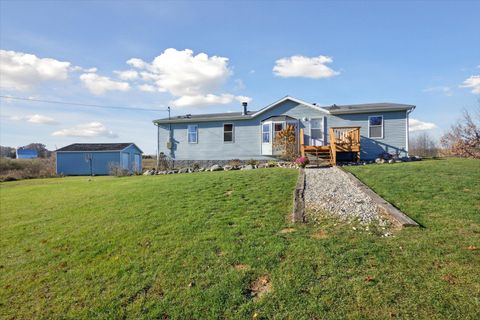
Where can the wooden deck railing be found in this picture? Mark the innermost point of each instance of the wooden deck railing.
(341, 139)
(344, 136)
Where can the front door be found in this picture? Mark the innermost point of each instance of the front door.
(316, 132)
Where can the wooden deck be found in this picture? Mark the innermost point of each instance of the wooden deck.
(341, 139)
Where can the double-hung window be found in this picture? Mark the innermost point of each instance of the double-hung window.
(228, 132)
(192, 133)
(375, 127)
(266, 133)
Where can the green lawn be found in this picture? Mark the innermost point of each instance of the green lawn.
(190, 246)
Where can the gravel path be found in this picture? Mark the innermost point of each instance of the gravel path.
(328, 190)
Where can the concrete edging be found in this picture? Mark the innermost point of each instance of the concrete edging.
(393, 214)
(298, 213)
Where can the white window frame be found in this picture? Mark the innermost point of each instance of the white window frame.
(196, 133)
(233, 132)
(383, 126)
(322, 128)
(269, 124)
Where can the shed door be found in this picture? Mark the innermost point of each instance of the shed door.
(125, 162)
(137, 162)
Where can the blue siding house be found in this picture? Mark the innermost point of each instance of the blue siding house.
(81, 159)
(26, 153)
(250, 134)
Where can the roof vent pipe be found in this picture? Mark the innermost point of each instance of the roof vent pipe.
(244, 112)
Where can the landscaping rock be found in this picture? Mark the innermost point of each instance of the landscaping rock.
(247, 167)
(227, 168)
(329, 191)
(379, 161)
(216, 167)
(201, 169)
(391, 161)
(263, 165)
(183, 170)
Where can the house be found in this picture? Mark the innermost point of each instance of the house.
(81, 159)
(26, 153)
(378, 127)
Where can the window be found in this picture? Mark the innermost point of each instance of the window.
(375, 127)
(228, 132)
(192, 133)
(278, 127)
(266, 133)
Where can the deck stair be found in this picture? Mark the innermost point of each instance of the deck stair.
(341, 139)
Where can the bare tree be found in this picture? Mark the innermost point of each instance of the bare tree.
(422, 144)
(463, 138)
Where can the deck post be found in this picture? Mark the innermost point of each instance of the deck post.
(302, 143)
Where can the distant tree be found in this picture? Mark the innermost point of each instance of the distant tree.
(8, 152)
(422, 144)
(463, 138)
(41, 149)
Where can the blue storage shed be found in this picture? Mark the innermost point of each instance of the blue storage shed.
(80, 159)
(26, 153)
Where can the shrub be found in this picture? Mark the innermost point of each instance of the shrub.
(235, 163)
(302, 161)
(195, 166)
(252, 162)
(116, 170)
(17, 169)
(271, 163)
(285, 143)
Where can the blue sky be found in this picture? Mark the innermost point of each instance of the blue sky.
(209, 56)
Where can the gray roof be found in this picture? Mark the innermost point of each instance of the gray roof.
(97, 147)
(334, 109)
(207, 117)
(279, 118)
(367, 107)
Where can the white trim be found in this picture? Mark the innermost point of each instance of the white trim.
(322, 127)
(383, 126)
(270, 106)
(233, 132)
(269, 123)
(196, 133)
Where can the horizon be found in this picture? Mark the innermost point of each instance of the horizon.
(137, 58)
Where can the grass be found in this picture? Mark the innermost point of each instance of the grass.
(195, 246)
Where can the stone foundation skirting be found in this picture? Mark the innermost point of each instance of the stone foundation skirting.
(178, 164)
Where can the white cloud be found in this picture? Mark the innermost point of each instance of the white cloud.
(306, 67)
(147, 88)
(35, 118)
(87, 130)
(99, 84)
(417, 125)
(182, 73)
(21, 71)
(137, 63)
(40, 119)
(206, 100)
(127, 75)
(442, 89)
(473, 83)
(243, 99)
